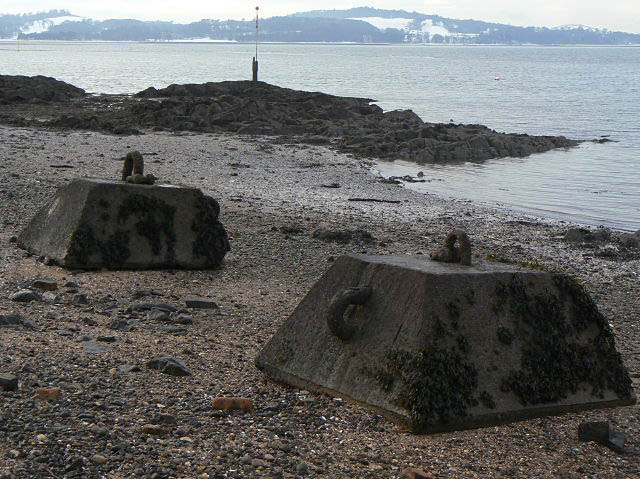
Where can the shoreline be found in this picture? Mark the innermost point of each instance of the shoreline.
(273, 198)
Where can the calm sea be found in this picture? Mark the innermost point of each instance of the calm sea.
(579, 92)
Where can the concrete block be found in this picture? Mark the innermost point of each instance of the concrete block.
(93, 223)
(440, 346)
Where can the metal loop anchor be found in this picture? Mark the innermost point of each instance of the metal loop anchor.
(337, 307)
(449, 253)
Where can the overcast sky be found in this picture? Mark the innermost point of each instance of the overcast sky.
(623, 15)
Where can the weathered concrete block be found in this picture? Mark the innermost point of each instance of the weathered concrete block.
(444, 346)
(93, 223)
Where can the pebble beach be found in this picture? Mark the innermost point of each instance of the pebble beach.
(113, 416)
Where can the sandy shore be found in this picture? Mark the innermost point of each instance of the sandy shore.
(273, 197)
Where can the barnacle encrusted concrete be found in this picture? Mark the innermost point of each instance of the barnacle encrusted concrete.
(445, 346)
(93, 223)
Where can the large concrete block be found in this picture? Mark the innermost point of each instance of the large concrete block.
(443, 346)
(94, 223)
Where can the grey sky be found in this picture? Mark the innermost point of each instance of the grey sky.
(623, 15)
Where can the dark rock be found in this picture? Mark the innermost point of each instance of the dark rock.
(23, 89)
(106, 339)
(158, 315)
(291, 229)
(80, 299)
(200, 303)
(344, 236)
(30, 325)
(353, 125)
(45, 284)
(120, 324)
(90, 347)
(184, 319)
(13, 239)
(166, 419)
(128, 368)
(147, 305)
(629, 240)
(169, 365)
(25, 296)
(8, 382)
(578, 235)
(11, 320)
(413, 473)
(602, 433)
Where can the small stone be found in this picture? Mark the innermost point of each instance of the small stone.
(8, 382)
(146, 306)
(121, 324)
(44, 284)
(106, 339)
(233, 404)
(13, 239)
(128, 368)
(169, 365)
(80, 298)
(166, 419)
(70, 284)
(98, 459)
(186, 439)
(51, 296)
(13, 454)
(413, 473)
(602, 433)
(258, 463)
(629, 240)
(90, 347)
(10, 320)
(30, 325)
(184, 319)
(49, 393)
(25, 296)
(200, 303)
(158, 315)
(153, 430)
(269, 457)
(98, 431)
(301, 468)
(41, 437)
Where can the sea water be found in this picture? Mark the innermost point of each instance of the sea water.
(581, 92)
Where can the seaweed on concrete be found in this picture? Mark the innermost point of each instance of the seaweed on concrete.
(436, 385)
(211, 241)
(553, 365)
(154, 221)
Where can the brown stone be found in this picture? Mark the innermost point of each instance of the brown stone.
(413, 473)
(153, 430)
(233, 404)
(49, 393)
(45, 284)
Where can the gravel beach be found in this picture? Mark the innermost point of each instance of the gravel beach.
(110, 415)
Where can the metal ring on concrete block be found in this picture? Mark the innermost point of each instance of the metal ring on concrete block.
(450, 254)
(337, 307)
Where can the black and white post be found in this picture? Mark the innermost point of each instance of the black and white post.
(255, 59)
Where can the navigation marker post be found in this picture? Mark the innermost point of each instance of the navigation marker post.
(255, 59)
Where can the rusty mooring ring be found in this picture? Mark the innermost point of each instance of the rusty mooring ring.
(338, 305)
(450, 254)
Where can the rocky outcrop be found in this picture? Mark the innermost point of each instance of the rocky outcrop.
(19, 89)
(353, 125)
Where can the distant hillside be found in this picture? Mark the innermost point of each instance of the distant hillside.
(356, 25)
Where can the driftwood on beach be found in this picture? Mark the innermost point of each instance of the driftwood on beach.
(354, 125)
